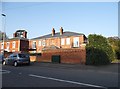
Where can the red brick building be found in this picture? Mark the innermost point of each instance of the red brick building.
(58, 40)
(68, 46)
(18, 43)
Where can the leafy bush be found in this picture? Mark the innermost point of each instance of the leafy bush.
(115, 44)
(98, 50)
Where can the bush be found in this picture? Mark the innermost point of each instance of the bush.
(98, 50)
(115, 44)
(117, 54)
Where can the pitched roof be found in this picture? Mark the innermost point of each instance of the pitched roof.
(17, 38)
(65, 34)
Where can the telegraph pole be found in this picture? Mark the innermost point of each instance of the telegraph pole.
(3, 35)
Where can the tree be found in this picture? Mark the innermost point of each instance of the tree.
(98, 50)
(115, 44)
(2, 34)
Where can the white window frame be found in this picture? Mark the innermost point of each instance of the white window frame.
(67, 41)
(63, 41)
(76, 42)
(13, 44)
(8, 45)
(43, 43)
(40, 43)
(34, 44)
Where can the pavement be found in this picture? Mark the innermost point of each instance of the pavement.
(108, 68)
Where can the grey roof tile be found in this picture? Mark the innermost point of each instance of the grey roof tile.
(18, 38)
(65, 34)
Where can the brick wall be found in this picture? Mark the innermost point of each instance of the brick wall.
(74, 55)
(32, 58)
(24, 45)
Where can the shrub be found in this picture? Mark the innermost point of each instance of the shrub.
(98, 50)
(115, 44)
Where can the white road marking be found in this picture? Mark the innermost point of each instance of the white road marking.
(73, 82)
(4, 71)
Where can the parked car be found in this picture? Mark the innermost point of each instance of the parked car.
(1, 58)
(17, 58)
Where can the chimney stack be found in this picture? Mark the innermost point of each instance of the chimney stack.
(15, 34)
(25, 34)
(61, 30)
(53, 32)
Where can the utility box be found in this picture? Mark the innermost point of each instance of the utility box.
(55, 58)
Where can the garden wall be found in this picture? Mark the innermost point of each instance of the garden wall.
(74, 55)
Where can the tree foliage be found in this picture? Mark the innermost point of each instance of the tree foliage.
(115, 44)
(3, 35)
(98, 50)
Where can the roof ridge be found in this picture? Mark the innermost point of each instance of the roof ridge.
(57, 34)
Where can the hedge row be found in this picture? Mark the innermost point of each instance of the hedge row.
(98, 50)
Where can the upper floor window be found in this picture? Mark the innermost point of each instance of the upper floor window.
(68, 41)
(39, 43)
(43, 42)
(34, 45)
(13, 44)
(8, 45)
(62, 41)
(76, 42)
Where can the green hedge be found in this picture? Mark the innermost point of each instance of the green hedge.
(98, 50)
(115, 43)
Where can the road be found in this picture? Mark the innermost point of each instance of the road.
(60, 75)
